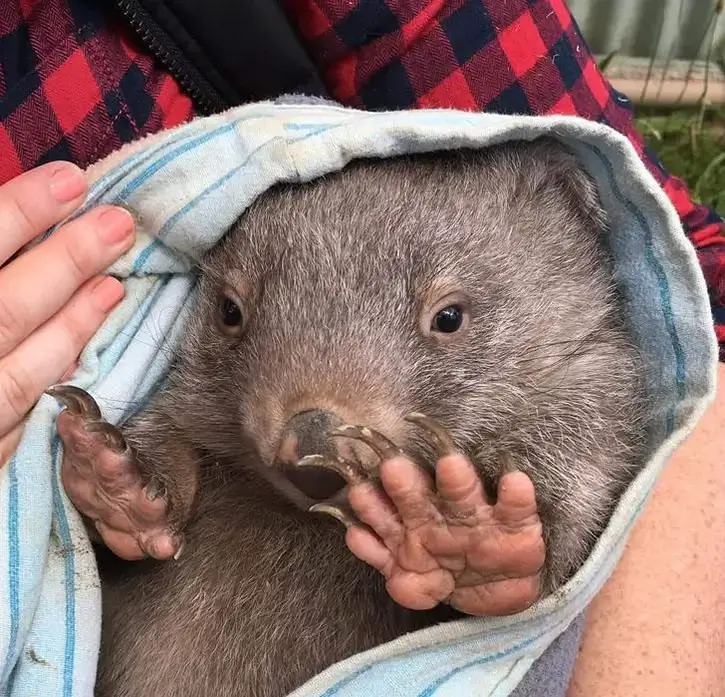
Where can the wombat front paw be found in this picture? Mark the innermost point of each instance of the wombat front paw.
(101, 476)
(441, 541)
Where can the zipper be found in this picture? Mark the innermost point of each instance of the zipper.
(170, 57)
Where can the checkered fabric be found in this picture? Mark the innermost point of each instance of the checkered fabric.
(74, 86)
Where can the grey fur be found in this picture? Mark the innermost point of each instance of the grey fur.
(334, 277)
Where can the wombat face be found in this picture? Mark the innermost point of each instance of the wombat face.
(469, 286)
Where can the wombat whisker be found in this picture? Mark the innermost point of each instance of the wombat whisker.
(562, 360)
(580, 348)
(594, 338)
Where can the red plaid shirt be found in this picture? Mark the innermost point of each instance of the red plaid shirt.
(74, 85)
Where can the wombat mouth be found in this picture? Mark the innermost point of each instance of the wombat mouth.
(316, 483)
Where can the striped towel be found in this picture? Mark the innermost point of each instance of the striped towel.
(186, 187)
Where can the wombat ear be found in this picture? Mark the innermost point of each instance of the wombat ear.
(574, 183)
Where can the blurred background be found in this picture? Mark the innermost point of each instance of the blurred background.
(668, 57)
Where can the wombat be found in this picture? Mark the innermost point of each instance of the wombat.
(472, 287)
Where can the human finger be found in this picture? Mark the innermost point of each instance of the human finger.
(37, 284)
(36, 200)
(31, 368)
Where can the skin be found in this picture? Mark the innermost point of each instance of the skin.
(54, 294)
(550, 400)
(645, 634)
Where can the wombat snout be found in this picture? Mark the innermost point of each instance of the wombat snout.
(308, 433)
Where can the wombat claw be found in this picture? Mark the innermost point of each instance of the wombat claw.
(383, 447)
(346, 518)
(155, 490)
(443, 442)
(80, 403)
(76, 400)
(354, 473)
(349, 471)
(180, 551)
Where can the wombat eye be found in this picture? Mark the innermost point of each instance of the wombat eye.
(230, 313)
(448, 320)
(229, 316)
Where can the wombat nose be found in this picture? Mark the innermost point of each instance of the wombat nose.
(307, 433)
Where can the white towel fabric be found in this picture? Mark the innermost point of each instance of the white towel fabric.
(186, 187)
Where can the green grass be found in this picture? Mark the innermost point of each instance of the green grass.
(691, 144)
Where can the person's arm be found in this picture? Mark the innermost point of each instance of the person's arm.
(658, 626)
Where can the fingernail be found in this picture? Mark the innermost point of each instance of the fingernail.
(107, 293)
(115, 225)
(67, 182)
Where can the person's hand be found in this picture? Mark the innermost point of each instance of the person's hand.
(52, 298)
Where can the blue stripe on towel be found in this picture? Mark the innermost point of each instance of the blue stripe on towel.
(664, 288)
(161, 162)
(188, 207)
(194, 202)
(66, 548)
(433, 687)
(345, 681)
